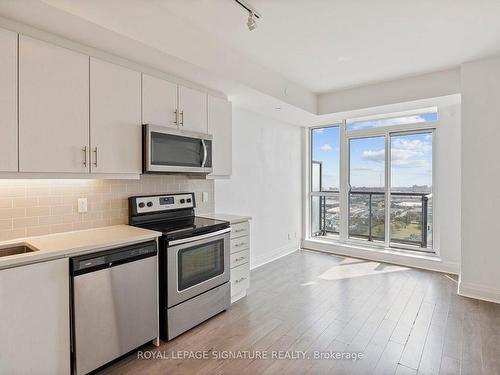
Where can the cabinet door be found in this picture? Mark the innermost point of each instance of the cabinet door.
(115, 118)
(220, 126)
(159, 101)
(53, 108)
(193, 110)
(8, 101)
(34, 319)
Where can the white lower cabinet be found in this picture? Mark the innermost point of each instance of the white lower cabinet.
(240, 260)
(34, 319)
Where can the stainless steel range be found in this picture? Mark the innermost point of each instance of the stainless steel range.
(193, 260)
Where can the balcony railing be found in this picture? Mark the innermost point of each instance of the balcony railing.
(411, 217)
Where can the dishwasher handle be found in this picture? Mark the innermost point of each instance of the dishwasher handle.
(110, 258)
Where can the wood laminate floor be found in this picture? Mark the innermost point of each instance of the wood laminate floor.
(403, 320)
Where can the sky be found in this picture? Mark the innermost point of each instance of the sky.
(411, 156)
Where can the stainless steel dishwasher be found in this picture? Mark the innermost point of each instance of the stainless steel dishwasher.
(115, 304)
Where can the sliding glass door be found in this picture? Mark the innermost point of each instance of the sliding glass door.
(367, 188)
(411, 190)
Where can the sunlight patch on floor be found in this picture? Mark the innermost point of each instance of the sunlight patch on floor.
(308, 283)
(350, 268)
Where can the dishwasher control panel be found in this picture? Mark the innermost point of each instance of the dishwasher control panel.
(109, 258)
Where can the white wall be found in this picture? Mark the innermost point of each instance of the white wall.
(480, 276)
(265, 184)
(425, 86)
(447, 178)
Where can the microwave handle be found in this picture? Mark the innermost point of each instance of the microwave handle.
(204, 153)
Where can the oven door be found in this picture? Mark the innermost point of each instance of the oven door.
(196, 265)
(173, 150)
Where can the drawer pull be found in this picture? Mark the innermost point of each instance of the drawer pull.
(240, 280)
(240, 244)
(239, 230)
(238, 259)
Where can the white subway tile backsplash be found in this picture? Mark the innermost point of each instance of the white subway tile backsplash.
(37, 207)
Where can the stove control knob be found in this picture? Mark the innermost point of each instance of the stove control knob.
(150, 204)
(141, 205)
(189, 200)
(183, 201)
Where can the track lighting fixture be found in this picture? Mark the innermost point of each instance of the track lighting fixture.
(253, 15)
(251, 23)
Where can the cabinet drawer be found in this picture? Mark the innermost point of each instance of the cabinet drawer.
(240, 279)
(239, 258)
(239, 244)
(239, 230)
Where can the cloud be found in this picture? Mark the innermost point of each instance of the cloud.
(326, 147)
(410, 163)
(402, 154)
(386, 122)
(415, 145)
(366, 169)
(319, 130)
(373, 155)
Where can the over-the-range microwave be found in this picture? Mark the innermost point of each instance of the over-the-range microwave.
(167, 150)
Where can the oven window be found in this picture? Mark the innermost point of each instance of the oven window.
(200, 263)
(174, 150)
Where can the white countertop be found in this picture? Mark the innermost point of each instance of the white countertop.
(60, 245)
(233, 219)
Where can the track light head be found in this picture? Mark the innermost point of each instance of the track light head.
(251, 23)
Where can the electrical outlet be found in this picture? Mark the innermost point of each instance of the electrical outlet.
(82, 205)
(204, 196)
(289, 236)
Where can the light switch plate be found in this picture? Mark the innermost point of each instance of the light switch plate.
(82, 205)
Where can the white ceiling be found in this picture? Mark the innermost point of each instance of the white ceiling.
(322, 45)
(301, 50)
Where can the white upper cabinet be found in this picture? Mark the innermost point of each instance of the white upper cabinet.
(53, 108)
(192, 110)
(115, 118)
(220, 126)
(8, 101)
(159, 101)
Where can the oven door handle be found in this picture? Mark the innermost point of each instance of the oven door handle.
(203, 236)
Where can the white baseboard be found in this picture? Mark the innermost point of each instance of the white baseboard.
(476, 291)
(432, 263)
(256, 262)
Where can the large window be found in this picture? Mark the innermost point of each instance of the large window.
(379, 189)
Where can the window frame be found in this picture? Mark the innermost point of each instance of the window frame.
(344, 189)
(321, 193)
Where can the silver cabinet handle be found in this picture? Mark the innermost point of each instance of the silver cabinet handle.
(95, 151)
(238, 259)
(239, 230)
(84, 149)
(176, 121)
(240, 280)
(182, 117)
(239, 244)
